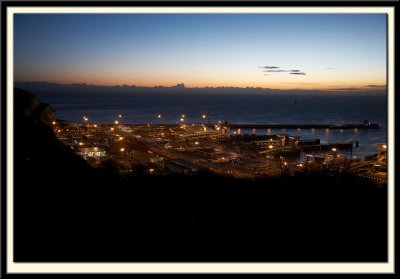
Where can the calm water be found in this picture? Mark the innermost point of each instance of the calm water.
(234, 108)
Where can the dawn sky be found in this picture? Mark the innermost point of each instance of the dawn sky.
(281, 51)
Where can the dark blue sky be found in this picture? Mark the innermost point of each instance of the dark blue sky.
(202, 49)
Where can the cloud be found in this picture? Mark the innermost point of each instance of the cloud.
(328, 68)
(276, 71)
(298, 74)
(376, 86)
(273, 69)
(269, 67)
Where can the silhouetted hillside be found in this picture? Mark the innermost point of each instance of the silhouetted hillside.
(67, 211)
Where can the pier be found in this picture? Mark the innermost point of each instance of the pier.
(304, 126)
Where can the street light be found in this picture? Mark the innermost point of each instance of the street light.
(120, 115)
(159, 116)
(182, 119)
(116, 122)
(204, 116)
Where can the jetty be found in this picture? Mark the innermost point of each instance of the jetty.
(303, 126)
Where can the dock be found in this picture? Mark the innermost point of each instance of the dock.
(303, 126)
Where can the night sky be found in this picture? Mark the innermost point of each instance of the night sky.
(281, 51)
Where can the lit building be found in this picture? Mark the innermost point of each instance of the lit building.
(94, 152)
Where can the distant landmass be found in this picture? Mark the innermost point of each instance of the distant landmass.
(44, 86)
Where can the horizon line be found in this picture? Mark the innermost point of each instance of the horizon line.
(365, 88)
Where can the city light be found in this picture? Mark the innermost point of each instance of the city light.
(122, 149)
(116, 122)
(159, 116)
(384, 146)
(121, 138)
(334, 149)
(112, 129)
(270, 146)
(81, 143)
(95, 125)
(203, 116)
(196, 143)
(182, 119)
(183, 116)
(54, 123)
(285, 163)
(120, 115)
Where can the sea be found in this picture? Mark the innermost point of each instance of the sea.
(144, 108)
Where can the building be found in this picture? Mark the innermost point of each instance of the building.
(93, 152)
